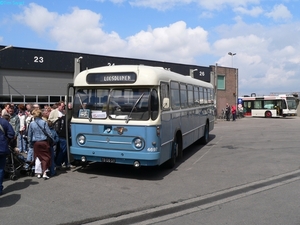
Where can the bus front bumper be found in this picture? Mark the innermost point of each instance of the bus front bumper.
(116, 156)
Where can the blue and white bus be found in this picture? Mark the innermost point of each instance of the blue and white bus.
(137, 115)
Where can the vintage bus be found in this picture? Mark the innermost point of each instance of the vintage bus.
(269, 106)
(137, 115)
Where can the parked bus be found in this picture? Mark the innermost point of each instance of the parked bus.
(138, 115)
(269, 106)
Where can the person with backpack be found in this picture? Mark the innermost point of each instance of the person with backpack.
(6, 134)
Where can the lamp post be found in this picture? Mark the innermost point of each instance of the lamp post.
(192, 72)
(7, 47)
(231, 54)
(236, 78)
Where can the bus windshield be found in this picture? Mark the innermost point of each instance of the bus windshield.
(292, 104)
(119, 103)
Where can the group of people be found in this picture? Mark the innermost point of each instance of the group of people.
(39, 134)
(230, 110)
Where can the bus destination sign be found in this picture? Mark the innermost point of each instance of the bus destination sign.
(111, 78)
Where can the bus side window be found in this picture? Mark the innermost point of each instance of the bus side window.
(183, 96)
(175, 100)
(164, 93)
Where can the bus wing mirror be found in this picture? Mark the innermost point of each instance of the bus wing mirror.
(166, 103)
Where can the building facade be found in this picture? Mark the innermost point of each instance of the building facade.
(226, 86)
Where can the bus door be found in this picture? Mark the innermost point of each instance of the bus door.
(280, 105)
(247, 108)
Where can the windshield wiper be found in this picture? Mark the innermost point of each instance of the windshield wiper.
(137, 101)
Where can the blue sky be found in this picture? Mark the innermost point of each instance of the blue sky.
(264, 34)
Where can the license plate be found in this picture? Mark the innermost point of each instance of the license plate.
(108, 160)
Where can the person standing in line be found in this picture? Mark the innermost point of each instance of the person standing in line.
(38, 133)
(58, 112)
(227, 112)
(233, 112)
(5, 110)
(53, 148)
(6, 134)
(28, 110)
(62, 154)
(29, 148)
(15, 123)
(22, 127)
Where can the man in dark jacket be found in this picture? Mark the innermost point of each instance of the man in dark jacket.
(227, 112)
(6, 134)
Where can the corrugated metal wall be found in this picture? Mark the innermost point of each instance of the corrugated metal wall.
(19, 82)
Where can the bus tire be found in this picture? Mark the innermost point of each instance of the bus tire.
(268, 114)
(172, 161)
(205, 138)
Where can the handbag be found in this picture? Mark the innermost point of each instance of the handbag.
(50, 140)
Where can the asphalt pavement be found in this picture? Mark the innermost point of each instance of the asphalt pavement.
(247, 174)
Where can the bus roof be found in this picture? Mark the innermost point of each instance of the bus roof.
(146, 75)
(269, 97)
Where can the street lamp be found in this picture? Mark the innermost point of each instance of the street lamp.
(7, 47)
(231, 54)
(236, 77)
(192, 72)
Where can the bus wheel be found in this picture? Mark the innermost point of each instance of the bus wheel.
(204, 139)
(172, 161)
(268, 114)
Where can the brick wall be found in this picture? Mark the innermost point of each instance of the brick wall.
(229, 95)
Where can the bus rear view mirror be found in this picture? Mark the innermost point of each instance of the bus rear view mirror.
(166, 103)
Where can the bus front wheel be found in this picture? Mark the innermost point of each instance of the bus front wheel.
(172, 161)
(268, 114)
(204, 140)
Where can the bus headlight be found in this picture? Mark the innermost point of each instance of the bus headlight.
(138, 143)
(81, 139)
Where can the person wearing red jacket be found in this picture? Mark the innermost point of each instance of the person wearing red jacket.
(233, 112)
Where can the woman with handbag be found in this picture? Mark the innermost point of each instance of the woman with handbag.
(38, 135)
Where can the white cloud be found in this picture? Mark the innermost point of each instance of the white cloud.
(81, 30)
(173, 43)
(279, 12)
(219, 4)
(268, 57)
(254, 11)
(37, 17)
(207, 4)
(159, 4)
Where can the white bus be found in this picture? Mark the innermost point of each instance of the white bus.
(137, 115)
(269, 106)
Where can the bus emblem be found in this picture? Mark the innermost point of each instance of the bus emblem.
(120, 130)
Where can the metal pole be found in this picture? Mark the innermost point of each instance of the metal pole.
(216, 87)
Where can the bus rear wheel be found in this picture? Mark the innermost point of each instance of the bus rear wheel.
(268, 114)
